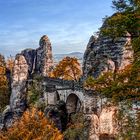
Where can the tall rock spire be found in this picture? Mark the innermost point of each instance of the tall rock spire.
(44, 60)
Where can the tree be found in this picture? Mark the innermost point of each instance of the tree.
(126, 19)
(68, 69)
(32, 126)
(118, 87)
(75, 129)
(4, 89)
(10, 63)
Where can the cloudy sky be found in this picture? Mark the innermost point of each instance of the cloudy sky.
(68, 23)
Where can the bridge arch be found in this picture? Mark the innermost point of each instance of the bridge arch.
(73, 103)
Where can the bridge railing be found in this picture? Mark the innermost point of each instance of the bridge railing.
(64, 83)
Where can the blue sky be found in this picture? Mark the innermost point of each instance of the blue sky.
(68, 23)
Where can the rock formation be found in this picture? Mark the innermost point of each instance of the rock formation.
(44, 61)
(105, 54)
(20, 75)
(27, 63)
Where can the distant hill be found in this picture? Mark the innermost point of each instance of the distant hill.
(59, 57)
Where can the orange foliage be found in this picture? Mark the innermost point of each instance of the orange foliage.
(3, 79)
(4, 91)
(10, 63)
(32, 126)
(68, 69)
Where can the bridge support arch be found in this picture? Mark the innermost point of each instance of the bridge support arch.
(73, 103)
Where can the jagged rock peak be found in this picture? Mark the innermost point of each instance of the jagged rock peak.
(44, 58)
(43, 40)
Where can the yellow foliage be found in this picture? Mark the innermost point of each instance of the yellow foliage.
(3, 79)
(4, 89)
(32, 126)
(10, 63)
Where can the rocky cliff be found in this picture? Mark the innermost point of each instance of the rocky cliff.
(106, 54)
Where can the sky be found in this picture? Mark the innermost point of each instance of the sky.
(68, 23)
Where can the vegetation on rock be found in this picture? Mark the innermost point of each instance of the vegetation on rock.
(117, 86)
(4, 89)
(35, 93)
(32, 126)
(126, 19)
(75, 129)
(10, 64)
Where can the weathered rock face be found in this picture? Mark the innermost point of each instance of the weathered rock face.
(104, 125)
(105, 54)
(20, 75)
(44, 61)
(108, 121)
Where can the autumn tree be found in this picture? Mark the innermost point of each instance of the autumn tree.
(33, 125)
(118, 88)
(68, 69)
(75, 128)
(4, 91)
(10, 63)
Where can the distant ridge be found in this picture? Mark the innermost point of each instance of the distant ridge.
(59, 57)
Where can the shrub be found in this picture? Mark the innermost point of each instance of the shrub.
(75, 129)
(34, 93)
(4, 89)
(32, 126)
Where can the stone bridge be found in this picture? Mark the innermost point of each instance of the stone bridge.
(75, 97)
